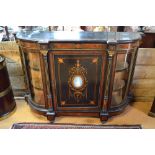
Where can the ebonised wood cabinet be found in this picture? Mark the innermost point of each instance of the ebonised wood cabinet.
(78, 73)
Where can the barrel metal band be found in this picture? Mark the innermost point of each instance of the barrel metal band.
(5, 92)
(2, 65)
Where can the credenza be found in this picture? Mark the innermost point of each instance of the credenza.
(78, 73)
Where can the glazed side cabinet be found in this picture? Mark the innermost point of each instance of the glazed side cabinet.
(78, 73)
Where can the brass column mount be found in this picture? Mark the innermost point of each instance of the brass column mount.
(111, 49)
(111, 52)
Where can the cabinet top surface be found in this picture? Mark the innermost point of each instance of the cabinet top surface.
(67, 36)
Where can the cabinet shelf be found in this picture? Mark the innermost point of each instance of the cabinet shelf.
(116, 100)
(121, 66)
(118, 85)
(37, 87)
(33, 67)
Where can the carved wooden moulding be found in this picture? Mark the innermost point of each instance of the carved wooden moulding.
(78, 73)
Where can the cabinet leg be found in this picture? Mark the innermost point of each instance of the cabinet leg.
(51, 117)
(104, 117)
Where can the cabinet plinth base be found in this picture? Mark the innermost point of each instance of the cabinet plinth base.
(50, 113)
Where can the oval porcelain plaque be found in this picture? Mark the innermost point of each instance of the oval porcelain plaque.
(77, 82)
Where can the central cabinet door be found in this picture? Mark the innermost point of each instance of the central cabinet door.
(77, 78)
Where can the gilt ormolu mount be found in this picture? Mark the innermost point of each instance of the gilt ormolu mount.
(78, 73)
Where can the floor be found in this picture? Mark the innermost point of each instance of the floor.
(136, 113)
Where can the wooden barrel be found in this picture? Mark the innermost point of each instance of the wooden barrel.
(7, 102)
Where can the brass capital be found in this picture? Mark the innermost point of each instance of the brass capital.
(44, 52)
(111, 53)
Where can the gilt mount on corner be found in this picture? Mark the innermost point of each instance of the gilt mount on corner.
(78, 73)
